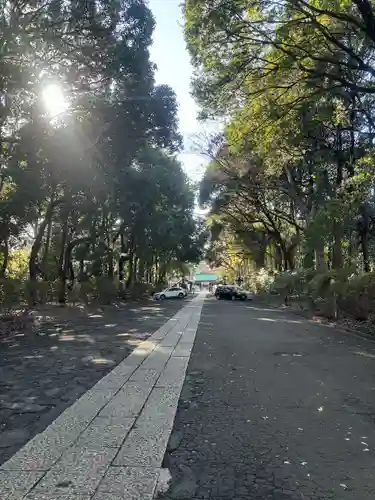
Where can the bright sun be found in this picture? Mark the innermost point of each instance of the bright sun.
(54, 100)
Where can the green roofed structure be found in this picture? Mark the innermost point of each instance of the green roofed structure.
(204, 279)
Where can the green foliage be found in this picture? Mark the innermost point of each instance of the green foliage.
(105, 289)
(292, 283)
(290, 186)
(18, 263)
(266, 48)
(92, 199)
(46, 291)
(260, 281)
(352, 294)
(141, 290)
(10, 292)
(357, 297)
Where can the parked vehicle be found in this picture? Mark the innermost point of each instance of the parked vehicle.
(230, 292)
(174, 292)
(249, 295)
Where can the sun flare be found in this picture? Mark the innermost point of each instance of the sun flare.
(54, 100)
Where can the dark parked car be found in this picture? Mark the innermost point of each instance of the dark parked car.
(230, 292)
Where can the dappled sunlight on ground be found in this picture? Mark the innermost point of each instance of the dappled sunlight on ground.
(263, 309)
(273, 406)
(43, 373)
(277, 320)
(365, 354)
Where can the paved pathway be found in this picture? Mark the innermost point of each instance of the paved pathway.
(110, 443)
(42, 375)
(273, 407)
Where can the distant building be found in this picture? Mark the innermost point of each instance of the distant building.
(204, 279)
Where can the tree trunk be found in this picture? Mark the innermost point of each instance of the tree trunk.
(110, 265)
(278, 258)
(137, 270)
(284, 254)
(162, 272)
(352, 248)
(61, 292)
(122, 259)
(285, 263)
(67, 266)
(81, 270)
(46, 247)
(33, 266)
(337, 257)
(5, 252)
(129, 281)
(156, 270)
(260, 258)
(308, 259)
(365, 253)
(289, 256)
(329, 257)
(364, 236)
(148, 272)
(320, 263)
(141, 269)
(111, 268)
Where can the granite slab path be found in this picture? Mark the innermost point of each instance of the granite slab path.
(109, 445)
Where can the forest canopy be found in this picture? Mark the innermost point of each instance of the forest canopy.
(91, 188)
(290, 185)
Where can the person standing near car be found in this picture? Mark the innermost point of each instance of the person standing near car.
(183, 285)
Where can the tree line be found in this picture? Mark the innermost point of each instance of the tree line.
(94, 193)
(290, 184)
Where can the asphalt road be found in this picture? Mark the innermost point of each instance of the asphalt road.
(273, 407)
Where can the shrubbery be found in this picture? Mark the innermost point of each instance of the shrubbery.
(332, 294)
(11, 292)
(19, 294)
(260, 281)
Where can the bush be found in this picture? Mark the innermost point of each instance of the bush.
(159, 287)
(260, 281)
(293, 283)
(85, 290)
(11, 292)
(357, 297)
(105, 290)
(335, 293)
(18, 264)
(46, 291)
(14, 322)
(141, 290)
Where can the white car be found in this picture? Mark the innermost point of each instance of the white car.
(174, 292)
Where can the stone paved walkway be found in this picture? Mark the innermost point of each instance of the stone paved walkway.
(43, 374)
(110, 443)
